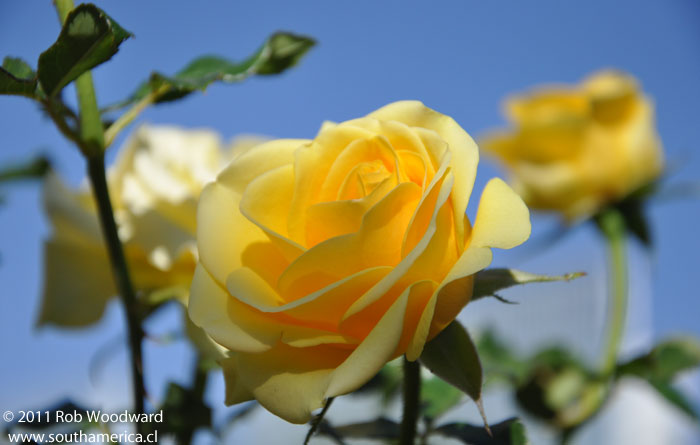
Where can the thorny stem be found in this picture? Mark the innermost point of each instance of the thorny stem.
(92, 143)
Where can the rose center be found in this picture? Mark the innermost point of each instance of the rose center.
(371, 174)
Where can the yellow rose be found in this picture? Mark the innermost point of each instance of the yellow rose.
(321, 260)
(576, 149)
(154, 185)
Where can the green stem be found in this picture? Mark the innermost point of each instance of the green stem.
(92, 144)
(91, 131)
(411, 402)
(612, 225)
(120, 271)
(199, 386)
(316, 423)
(131, 114)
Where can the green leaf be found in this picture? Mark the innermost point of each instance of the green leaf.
(452, 356)
(35, 168)
(488, 282)
(183, 412)
(437, 397)
(636, 222)
(499, 361)
(665, 361)
(662, 364)
(376, 429)
(17, 78)
(676, 398)
(88, 38)
(508, 432)
(560, 390)
(280, 51)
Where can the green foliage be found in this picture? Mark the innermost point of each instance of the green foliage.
(280, 52)
(498, 361)
(662, 364)
(560, 390)
(452, 356)
(381, 429)
(88, 38)
(17, 78)
(489, 281)
(183, 412)
(387, 382)
(508, 432)
(665, 361)
(34, 168)
(635, 220)
(632, 210)
(437, 397)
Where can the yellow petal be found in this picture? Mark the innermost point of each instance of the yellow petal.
(223, 233)
(235, 392)
(247, 287)
(465, 154)
(158, 235)
(415, 167)
(228, 321)
(421, 299)
(376, 149)
(311, 167)
(401, 137)
(438, 193)
(72, 213)
(77, 283)
(327, 305)
(258, 160)
(377, 243)
(301, 337)
(289, 382)
(502, 219)
(329, 219)
(266, 203)
(455, 291)
(373, 353)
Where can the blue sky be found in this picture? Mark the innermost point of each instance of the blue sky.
(459, 57)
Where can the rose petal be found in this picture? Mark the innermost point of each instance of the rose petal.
(228, 321)
(266, 203)
(223, 233)
(258, 160)
(75, 291)
(438, 193)
(71, 213)
(373, 353)
(361, 151)
(235, 392)
(377, 243)
(311, 166)
(465, 154)
(502, 219)
(330, 219)
(289, 382)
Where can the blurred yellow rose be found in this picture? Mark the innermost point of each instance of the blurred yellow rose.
(321, 260)
(154, 186)
(576, 149)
